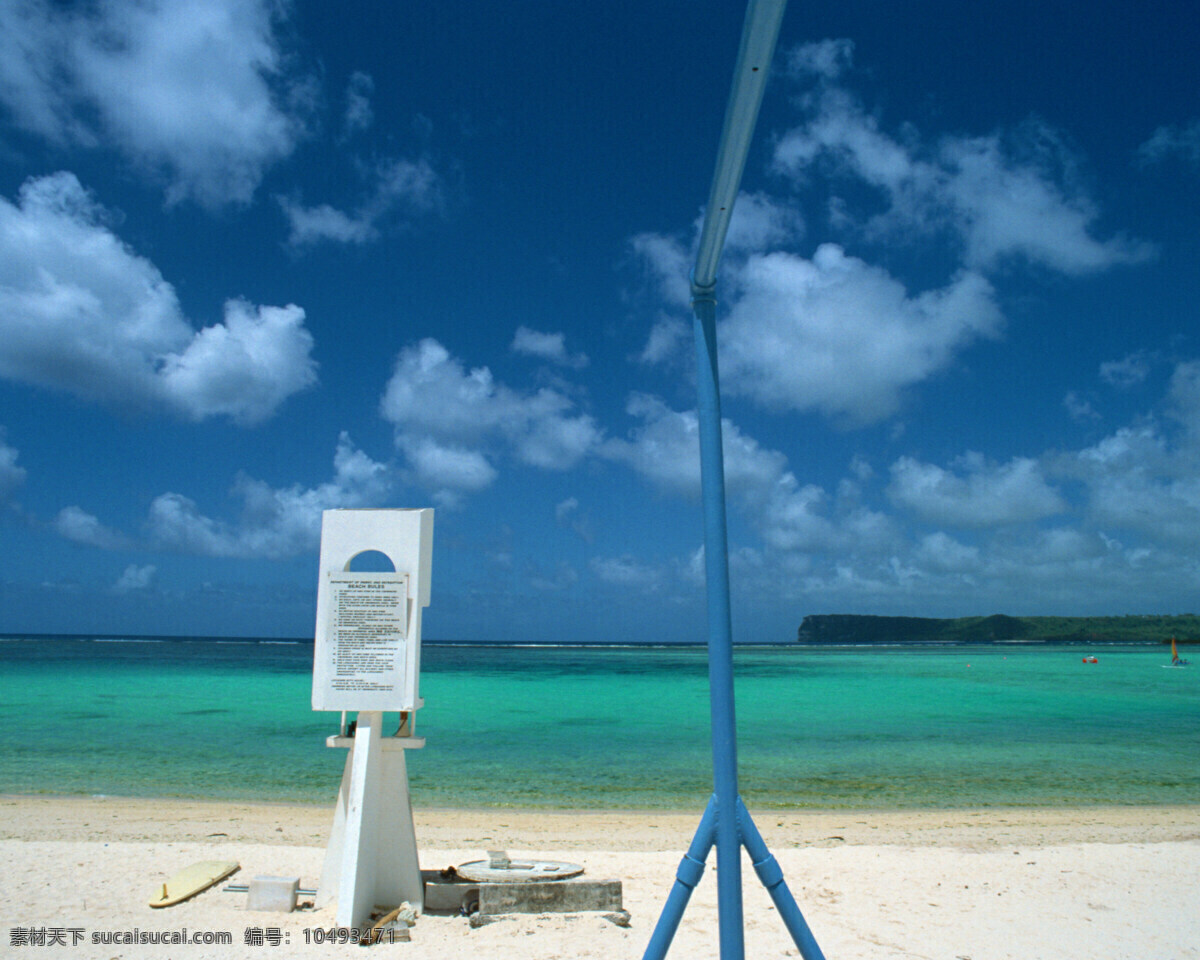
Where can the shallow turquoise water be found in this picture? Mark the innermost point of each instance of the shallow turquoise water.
(870, 728)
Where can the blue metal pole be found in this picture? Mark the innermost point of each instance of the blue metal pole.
(691, 869)
(720, 633)
(760, 31)
(771, 875)
(725, 821)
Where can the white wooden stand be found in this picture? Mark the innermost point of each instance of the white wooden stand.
(367, 657)
(372, 855)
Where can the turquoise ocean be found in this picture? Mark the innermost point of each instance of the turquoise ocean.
(878, 727)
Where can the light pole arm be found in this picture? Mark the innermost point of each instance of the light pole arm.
(759, 34)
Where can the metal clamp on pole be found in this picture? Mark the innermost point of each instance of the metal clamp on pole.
(706, 293)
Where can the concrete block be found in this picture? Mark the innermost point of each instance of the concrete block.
(449, 897)
(561, 896)
(273, 893)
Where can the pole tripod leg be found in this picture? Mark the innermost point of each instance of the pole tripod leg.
(771, 875)
(691, 868)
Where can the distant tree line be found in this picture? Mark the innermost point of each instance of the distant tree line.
(854, 628)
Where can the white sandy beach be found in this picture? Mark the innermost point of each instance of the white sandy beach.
(984, 885)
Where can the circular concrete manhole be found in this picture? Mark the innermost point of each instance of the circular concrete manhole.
(517, 871)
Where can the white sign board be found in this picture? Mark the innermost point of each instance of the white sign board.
(368, 636)
(368, 626)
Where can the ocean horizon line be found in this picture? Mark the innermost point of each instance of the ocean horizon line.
(17, 636)
(878, 642)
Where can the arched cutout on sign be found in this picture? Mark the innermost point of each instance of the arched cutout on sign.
(371, 561)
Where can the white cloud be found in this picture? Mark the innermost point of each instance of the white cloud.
(310, 225)
(1007, 207)
(1164, 509)
(551, 438)
(1079, 408)
(1183, 397)
(1002, 196)
(669, 265)
(830, 333)
(394, 188)
(796, 520)
(33, 44)
(359, 115)
(826, 59)
(1128, 372)
(198, 92)
(692, 568)
(759, 222)
(566, 514)
(1117, 520)
(81, 312)
(175, 521)
(1128, 447)
(836, 334)
(413, 184)
(449, 470)
(432, 392)
(804, 520)
(1182, 140)
(136, 578)
(452, 423)
(939, 551)
(1067, 545)
(547, 346)
(1136, 482)
(840, 336)
(76, 524)
(628, 572)
(11, 475)
(565, 576)
(664, 448)
(1046, 573)
(986, 494)
(274, 523)
(861, 469)
(667, 336)
(244, 368)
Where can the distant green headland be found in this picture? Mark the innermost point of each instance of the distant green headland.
(853, 628)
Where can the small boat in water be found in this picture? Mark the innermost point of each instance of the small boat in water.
(1176, 659)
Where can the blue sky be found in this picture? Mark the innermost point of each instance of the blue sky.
(263, 259)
